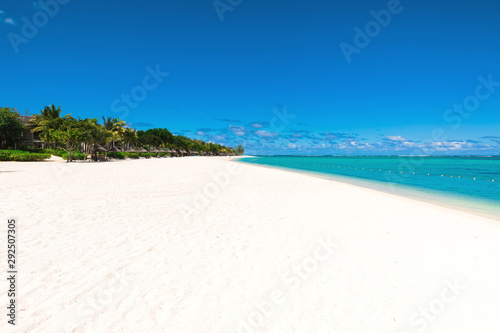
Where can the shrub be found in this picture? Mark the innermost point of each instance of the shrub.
(132, 155)
(4, 155)
(41, 151)
(59, 152)
(119, 156)
(76, 155)
(22, 156)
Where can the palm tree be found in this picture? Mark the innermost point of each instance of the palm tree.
(90, 135)
(46, 122)
(129, 136)
(115, 127)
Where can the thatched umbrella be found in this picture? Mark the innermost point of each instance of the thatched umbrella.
(154, 151)
(131, 150)
(114, 150)
(142, 150)
(168, 151)
(100, 149)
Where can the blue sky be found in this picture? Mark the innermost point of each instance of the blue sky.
(278, 77)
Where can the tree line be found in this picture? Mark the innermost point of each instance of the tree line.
(86, 135)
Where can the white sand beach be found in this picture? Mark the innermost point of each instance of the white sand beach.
(206, 244)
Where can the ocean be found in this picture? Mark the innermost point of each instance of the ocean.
(468, 183)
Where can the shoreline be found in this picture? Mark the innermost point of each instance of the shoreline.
(463, 204)
(207, 244)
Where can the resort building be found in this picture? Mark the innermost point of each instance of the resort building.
(31, 139)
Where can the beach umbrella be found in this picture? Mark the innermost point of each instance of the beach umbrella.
(131, 150)
(100, 149)
(114, 150)
(142, 150)
(155, 151)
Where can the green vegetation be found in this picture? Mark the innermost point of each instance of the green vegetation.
(77, 139)
(11, 127)
(118, 156)
(21, 156)
(74, 156)
(161, 137)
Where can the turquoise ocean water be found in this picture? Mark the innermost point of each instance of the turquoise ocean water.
(467, 183)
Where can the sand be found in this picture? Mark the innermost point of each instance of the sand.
(210, 245)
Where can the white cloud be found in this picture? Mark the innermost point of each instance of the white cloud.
(220, 137)
(6, 20)
(256, 125)
(397, 138)
(265, 134)
(237, 130)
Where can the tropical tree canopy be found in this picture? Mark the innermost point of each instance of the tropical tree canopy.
(45, 123)
(11, 127)
(69, 134)
(87, 134)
